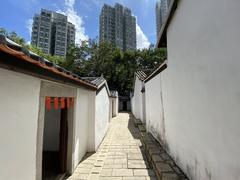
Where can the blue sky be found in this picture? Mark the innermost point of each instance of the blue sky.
(16, 15)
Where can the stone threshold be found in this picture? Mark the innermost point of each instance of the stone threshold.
(162, 163)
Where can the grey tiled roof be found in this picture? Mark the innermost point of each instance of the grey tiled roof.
(97, 81)
(161, 68)
(114, 93)
(143, 74)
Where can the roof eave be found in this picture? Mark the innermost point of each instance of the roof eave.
(22, 57)
(156, 72)
(102, 85)
(140, 78)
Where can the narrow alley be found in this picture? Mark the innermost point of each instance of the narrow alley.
(120, 156)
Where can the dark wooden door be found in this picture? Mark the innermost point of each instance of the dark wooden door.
(63, 140)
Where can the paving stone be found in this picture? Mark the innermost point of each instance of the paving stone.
(141, 128)
(96, 170)
(120, 161)
(109, 161)
(116, 157)
(138, 164)
(106, 172)
(111, 153)
(137, 122)
(169, 176)
(165, 156)
(152, 145)
(136, 157)
(156, 158)
(79, 176)
(151, 178)
(122, 172)
(112, 166)
(99, 164)
(170, 162)
(110, 178)
(83, 170)
(88, 166)
(93, 177)
(153, 151)
(123, 154)
(134, 178)
(143, 172)
(163, 167)
(88, 161)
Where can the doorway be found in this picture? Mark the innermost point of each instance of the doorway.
(125, 106)
(55, 141)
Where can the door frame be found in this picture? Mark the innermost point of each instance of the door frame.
(51, 89)
(63, 140)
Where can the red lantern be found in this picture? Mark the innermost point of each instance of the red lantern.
(56, 103)
(48, 103)
(62, 103)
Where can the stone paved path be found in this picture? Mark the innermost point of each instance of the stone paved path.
(120, 156)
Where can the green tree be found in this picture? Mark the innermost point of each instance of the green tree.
(118, 68)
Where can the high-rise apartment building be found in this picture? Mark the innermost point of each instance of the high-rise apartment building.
(158, 17)
(52, 32)
(118, 26)
(162, 7)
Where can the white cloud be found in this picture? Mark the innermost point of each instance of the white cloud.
(142, 40)
(77, 20)
(29, 24)
(96, 2)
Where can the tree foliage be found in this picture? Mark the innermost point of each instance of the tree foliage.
(118, 68)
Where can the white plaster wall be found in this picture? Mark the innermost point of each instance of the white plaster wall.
(84, 118)
(117, 106)
(102, 116)
(19, 106)
(201, 89)
(114, 107)
(111, 106)
(154, 108)
(137, 100)
(144, 107)
(51, 129)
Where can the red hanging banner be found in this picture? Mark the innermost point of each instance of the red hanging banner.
(62, 103)
(56, 103)
(48, 103)
(68, 102)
